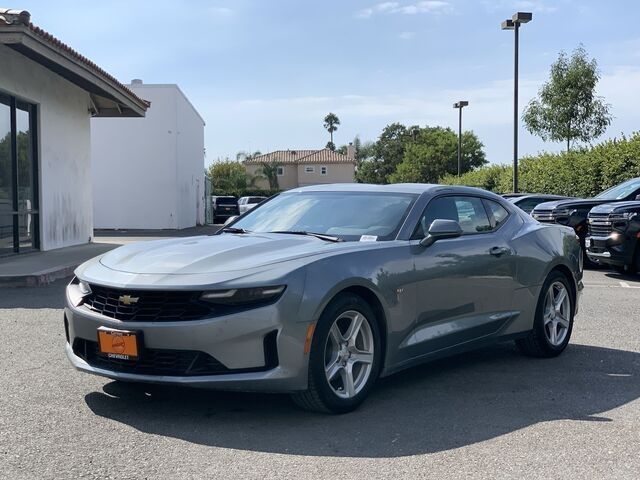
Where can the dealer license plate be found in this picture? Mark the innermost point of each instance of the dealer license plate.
(119, 344)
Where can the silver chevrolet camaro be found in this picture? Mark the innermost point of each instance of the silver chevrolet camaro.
(321, 290)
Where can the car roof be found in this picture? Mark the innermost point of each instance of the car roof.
(414, 188)
(542, 195)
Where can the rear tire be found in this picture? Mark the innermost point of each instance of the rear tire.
(345, 357)
(553, 322)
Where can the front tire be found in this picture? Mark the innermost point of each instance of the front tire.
(345, 357)
(554, 319)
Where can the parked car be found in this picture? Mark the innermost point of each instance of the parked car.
(247, 203)
(574, 212)
(324, 289)
(529, 201)
(614, 236)
(224, 207)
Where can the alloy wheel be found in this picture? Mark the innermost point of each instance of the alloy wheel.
(557, 313)
(348, 354)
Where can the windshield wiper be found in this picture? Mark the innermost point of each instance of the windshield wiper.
(234, 230)
(321, 236)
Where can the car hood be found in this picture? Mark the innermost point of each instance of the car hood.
(216, 253)
(630, 206)
(571, 203)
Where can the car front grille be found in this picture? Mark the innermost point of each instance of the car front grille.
(599, 228)
(147, 305)
(182, 363)
(599, 224)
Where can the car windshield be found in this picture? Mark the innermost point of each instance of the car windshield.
(620, 191)
(226, 201)
(350, 216)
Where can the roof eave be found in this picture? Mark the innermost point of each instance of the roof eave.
(109, 98)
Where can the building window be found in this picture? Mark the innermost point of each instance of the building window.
(323, 170)
(309, 169)
(280, 171)
(18, 176)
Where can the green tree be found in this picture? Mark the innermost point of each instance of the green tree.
(433, 153)
(330, 146)
(270, 171)
(567, 107)
(380, 160)
(227, 176)
(243, 155)
(331, 122)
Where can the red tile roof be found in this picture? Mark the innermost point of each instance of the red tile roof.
(300, 157)
(22, 17)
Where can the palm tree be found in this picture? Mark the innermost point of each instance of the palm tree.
(331, 122)
(270, 170)
(242, 155)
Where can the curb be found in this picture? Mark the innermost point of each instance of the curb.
(38, 279)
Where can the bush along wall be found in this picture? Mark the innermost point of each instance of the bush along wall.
(580, 173)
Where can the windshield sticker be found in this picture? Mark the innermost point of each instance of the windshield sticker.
(368, 238)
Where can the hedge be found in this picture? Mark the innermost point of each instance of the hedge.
(580, 173)
(245, 193)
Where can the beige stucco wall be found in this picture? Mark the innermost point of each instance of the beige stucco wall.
(289, 178)
(336, 173)
(296, 176)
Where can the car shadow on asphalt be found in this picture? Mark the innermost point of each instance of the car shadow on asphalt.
(439, 406)
(630, 278)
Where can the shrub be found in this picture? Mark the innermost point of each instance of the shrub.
(579, 173)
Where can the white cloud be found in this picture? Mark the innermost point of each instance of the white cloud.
(406, 35)
(535, 6)
(424, 6)
(221, 11)
(490, 115)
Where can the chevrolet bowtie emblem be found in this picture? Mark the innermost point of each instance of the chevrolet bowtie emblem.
(128, 299)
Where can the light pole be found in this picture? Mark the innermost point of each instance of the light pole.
(460, 105)
(514, 24)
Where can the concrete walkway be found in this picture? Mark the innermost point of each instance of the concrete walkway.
(40, 268)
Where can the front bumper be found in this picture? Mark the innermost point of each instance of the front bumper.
(236, 343)
(611, 250)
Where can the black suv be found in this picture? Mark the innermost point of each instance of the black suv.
(614, 236)
(223, 208)
(574, 212)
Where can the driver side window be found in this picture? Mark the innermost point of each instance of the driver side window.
(469, 212)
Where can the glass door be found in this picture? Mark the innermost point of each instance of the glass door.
(18, 176)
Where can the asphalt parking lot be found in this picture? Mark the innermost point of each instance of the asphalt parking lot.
(487, 414)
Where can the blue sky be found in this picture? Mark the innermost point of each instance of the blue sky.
(263, 73)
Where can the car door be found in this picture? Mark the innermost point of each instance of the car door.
(463, 285)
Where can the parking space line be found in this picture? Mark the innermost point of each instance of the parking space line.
(626, 285)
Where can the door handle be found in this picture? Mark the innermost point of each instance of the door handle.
(498, 251)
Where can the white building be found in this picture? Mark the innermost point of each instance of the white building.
(149, 172)
(48, 92)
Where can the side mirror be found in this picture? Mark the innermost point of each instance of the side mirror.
(230, 219)
(441, 229)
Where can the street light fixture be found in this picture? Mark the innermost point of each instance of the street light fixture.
(514, 24)
(460, 105)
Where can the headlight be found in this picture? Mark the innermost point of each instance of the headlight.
(77, 290)
(622, 216)
(564, 212)
(243, 296)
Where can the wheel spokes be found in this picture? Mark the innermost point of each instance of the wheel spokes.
(354, 328)
(347, 380)
(336, 335)
(361, 357)
(333, 369)
(559, 299)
